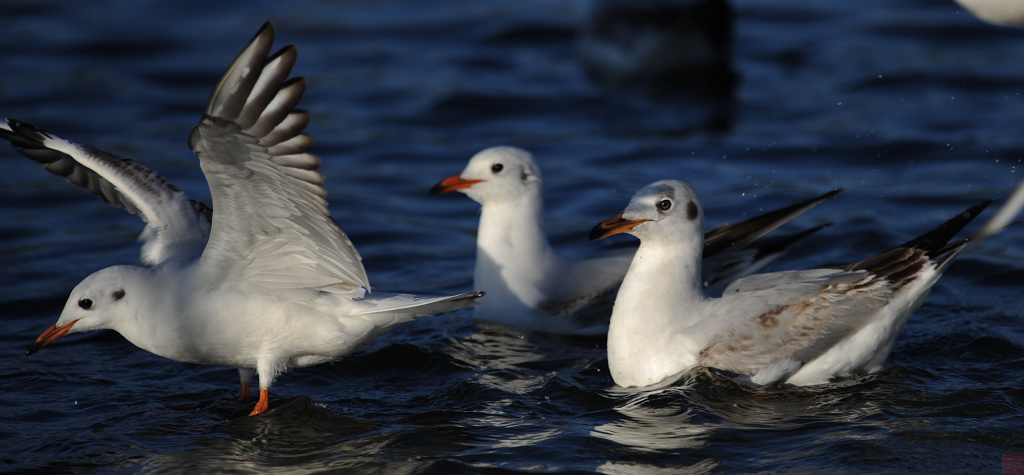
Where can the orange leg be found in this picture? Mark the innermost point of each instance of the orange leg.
(244, 376)
(245, 392)
(263, 403)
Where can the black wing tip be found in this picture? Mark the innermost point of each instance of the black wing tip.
(27, 139)
(257, 49)
(266, 28)
(935, 242)
(816, 201)
(290, 50)
(27, 131)
(292, 81)
(834, 192)
(744, 233)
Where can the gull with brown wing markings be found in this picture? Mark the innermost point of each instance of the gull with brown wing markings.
(800, 327)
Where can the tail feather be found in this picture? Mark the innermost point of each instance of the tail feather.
(414, 306)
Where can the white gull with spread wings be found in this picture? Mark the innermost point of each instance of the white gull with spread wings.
(529, 285)
(266, 282)
(800, 327)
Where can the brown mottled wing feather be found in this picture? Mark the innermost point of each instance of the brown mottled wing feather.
(809, 312)
(798, 320)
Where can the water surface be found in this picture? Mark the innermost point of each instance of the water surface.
(914, 106)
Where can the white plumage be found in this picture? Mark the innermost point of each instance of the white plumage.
(801, 327)
(273, 282)
(529, 285)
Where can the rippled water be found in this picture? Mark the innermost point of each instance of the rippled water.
(914, 106)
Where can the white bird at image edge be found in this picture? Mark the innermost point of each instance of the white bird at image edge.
(799, 327)
(266, 280)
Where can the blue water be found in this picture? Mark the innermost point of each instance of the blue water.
(914, 106)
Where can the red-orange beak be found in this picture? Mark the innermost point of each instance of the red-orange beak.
(52, 333)
(452, 183)
(613, 225)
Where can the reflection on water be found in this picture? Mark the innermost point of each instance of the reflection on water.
(647, 425)
(516, 361)
(914, 107)
(704, 407)
(637, 468)
(295, 437)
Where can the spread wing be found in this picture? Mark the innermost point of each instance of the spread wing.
(175, 225)
(272, 229)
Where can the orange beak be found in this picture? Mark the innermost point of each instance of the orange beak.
(614, 225)
(52, 333)
(452, 183)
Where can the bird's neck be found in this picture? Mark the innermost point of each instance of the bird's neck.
(159, 323)
(513, 253)
(663, 278)
(651, 310)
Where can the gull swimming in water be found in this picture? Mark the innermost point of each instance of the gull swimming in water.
(267, 281)
(529, 285)
(800, 327)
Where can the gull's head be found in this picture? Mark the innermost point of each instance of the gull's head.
(96, 303)
(664, 211)
(495, 175)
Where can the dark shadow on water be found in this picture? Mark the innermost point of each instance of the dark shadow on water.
(294, 433)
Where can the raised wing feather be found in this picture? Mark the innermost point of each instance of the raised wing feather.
(272, 229)
(175, 225)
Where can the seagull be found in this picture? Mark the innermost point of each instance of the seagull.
(799, 327)
(266, 282)
(528, 285)
(999, 12)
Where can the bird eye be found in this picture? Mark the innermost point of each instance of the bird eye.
(497, 167)
(664, 205)
(118, 294)
(85, 303)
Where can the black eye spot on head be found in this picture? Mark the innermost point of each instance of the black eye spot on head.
(497, 168)
(118, 294)
(691, 211)
(86, 304)
(665, 205)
